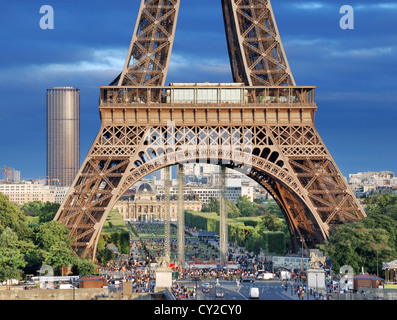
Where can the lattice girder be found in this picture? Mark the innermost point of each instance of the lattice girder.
(256, 52)
(309, 190)
(151, 45)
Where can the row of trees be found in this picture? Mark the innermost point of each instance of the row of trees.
(370, 241)
(44, 211)
(244, 207)
(25, 248)
(364, 244)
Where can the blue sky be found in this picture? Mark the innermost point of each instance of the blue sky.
(355, 71)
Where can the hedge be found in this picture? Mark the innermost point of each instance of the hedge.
(242, 231)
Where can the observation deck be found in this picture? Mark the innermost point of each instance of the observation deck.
(210, 103)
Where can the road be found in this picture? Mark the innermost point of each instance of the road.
(269, 290)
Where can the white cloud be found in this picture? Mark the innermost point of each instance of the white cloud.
(306, 42)
(179, 62)
(114, 59)
(97, 60)
(378, 6)
(309, 5)
(315, 5)
(365, 52)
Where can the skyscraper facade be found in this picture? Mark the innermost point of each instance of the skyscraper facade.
(63, 135)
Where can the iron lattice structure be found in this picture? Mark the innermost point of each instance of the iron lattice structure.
(151, 45)
(270, 134)
(256, 52)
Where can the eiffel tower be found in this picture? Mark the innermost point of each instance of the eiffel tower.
(262, 124)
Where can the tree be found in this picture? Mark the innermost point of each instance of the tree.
(212, 206)
(273, 208)
(84, 267)
(122, 240)
(270, 222)
(246, 207)
(104, 256)
(48, 211)
(49, 233)
(232, 210)
(355, 245)
(254, 243)
(34, 258)
(368, 242)
(32, 208)
(11, 216)
(11, 258)
(60, 254)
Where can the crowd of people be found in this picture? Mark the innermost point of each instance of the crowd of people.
(181, 292)
(138, 266)
(152, 247)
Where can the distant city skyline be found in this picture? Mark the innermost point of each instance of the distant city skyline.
(352, 69)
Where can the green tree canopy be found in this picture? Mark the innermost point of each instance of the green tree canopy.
(49, 233)
(11, 257)
(370, 241)
(212, 206)
(32, 208)
(84, 267)
(246, 207)
(232, 210)
(12, 217)
(48, 211)
(60, 254)
(355, 245)
(271, 222)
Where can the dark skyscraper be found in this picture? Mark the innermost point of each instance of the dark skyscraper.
(63, 135)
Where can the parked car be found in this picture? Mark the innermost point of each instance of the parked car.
(219, 293)
(247, 279)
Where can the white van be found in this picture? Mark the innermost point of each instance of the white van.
(266, 276)
(285, 275)
(254, 293)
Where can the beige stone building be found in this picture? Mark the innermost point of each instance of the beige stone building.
(148, 206)
(21, 193)
(29, 191)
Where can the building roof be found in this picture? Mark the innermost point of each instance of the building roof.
(145, 188)
(366, 276)
(390, 265)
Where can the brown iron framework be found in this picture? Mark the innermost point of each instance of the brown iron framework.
(269, 135)
(256, 52)
(151, 45)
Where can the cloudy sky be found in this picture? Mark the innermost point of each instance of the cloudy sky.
(355, 71)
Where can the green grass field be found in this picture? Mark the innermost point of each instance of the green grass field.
(114, 222)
